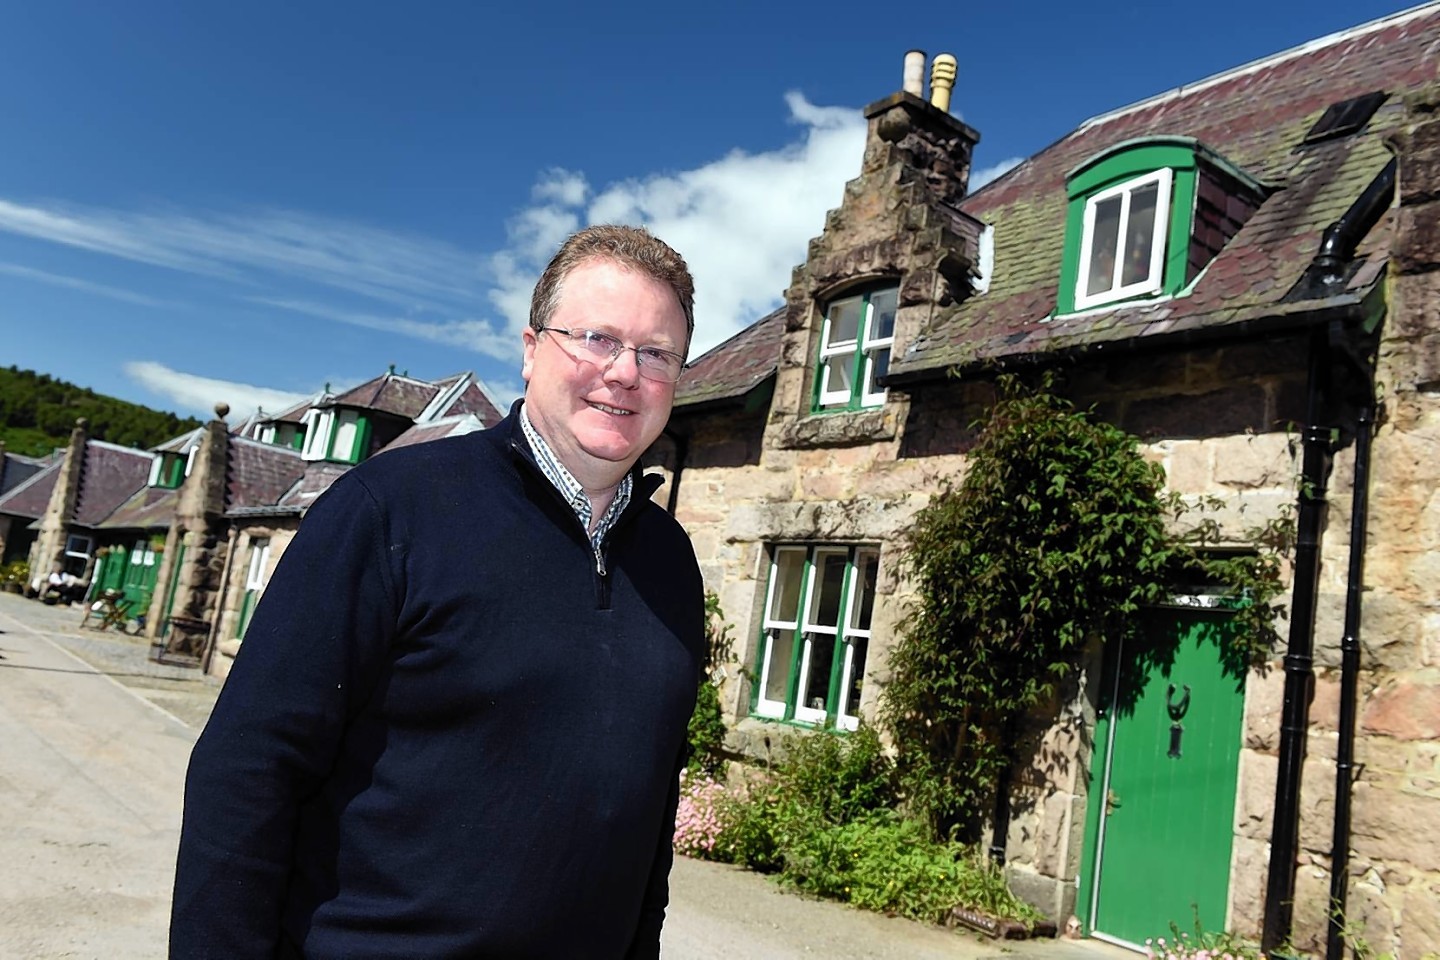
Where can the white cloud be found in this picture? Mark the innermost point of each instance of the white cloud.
(978, 178)
(561, 186)
(386, 265)
(75, 283)
(477, 335)
(742, 221)
(198, 395)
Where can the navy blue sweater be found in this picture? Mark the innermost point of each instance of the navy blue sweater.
(447, 733)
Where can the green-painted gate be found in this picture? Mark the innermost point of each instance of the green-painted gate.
(1161, 816)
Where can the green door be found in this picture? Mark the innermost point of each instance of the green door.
(139, 580)
(1162, 810)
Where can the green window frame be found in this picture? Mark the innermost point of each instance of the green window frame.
(167, 470)
(815, 635)
(855, 341)
(336, 434)
(1128, 224)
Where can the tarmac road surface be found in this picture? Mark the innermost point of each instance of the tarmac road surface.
(94, 739)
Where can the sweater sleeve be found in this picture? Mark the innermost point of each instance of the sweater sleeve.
(312, 653)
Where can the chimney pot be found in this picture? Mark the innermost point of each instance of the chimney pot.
(942, 80)
(915, 73)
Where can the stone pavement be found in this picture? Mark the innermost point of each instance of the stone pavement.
(94, 738)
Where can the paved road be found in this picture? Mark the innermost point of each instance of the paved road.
(93, 744)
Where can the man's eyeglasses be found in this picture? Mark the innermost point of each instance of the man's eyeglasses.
(601, 348)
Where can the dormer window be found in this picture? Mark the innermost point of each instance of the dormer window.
(1123, 247)
(336, 434)
(855, 342)
(167, 470)
(1146, 217)
(282, 434)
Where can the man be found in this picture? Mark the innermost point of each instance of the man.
(456, 723)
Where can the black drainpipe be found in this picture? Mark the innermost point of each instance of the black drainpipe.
(682, 450)
(1349, 681)
(1299, 678)
(1326, 276)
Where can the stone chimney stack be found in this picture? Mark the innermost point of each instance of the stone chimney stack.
(196, 543)
(934, 147)
(49, 545)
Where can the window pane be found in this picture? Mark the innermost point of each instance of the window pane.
(785, 591)
(1140, 234)
(346, 435)
(856, 678)
(838, 377)
(845, 320)
(816, 689)
(879, 365)
(777, 674)
(829, 580)
(1104, 244)
(882, 315)
(866, 566)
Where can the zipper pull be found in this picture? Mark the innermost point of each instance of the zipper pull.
(599, 562)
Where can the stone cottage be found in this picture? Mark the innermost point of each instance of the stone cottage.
(1242, 273)
(189, 531)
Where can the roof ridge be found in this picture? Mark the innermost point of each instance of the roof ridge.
(1309, 46)
(107, 445)
(289, 451)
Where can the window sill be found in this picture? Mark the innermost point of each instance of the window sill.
(848, 428)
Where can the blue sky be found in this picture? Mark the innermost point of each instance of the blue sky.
(246, 201)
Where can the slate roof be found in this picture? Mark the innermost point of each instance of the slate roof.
(259, 474)
(456, 426)
(316, 479)
(474, 399)
(15, 470)
(389, 393)
(148, 509)
(30, 498)
(111, 475)
(1255, 116)
(730, 370)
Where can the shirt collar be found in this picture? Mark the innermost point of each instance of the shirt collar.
(564, 481)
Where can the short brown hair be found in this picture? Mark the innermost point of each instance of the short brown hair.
(632, 247)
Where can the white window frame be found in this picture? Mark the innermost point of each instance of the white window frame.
(317, 434)
(771, 625)
(1154, 281)
(157, 462)
(811, 628)
(806, 630)
(84, 542)
(259, 564)
(833, 398)
(847, 713)
(190, 458)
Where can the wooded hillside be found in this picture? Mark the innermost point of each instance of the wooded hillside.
(37, 413)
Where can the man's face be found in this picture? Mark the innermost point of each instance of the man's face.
(599, 418)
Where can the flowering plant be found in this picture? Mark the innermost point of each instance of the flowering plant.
(699, 819)
(1204, 946)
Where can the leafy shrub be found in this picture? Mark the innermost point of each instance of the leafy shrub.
(888, 864)
(16, 571)
(706, 733)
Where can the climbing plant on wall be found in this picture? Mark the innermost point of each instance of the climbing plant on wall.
(1060, 531)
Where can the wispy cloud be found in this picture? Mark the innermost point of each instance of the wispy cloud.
(198, 395)
(386, 265)
(741, 221)
(87, 286)
(477, 335)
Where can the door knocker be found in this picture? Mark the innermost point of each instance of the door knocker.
(1177, 712)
